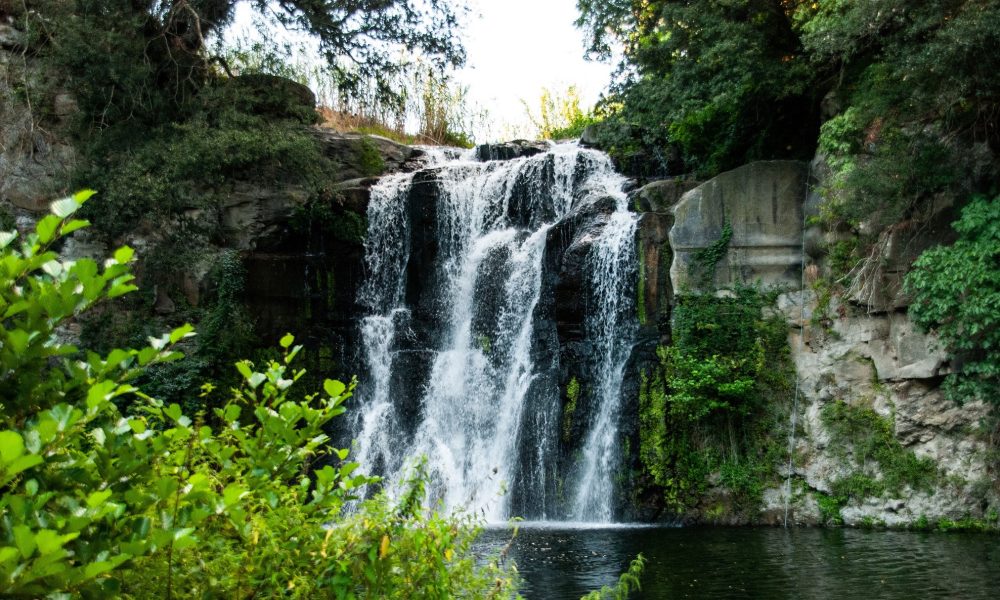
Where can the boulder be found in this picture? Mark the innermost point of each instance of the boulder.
(359, 156)
(661, 196)
(510, 150)
(762, 202)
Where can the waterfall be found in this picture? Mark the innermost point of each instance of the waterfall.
(455, 369)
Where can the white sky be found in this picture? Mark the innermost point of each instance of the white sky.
(515, 48)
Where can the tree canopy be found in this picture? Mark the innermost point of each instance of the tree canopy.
(132, 58)
(721, 82)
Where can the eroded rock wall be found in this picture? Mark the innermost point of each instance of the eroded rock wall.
(858, 355)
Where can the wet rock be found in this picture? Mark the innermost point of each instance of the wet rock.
(358, 156)
(510, 150)
(661, 196)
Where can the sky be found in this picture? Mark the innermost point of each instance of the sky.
(515, 48)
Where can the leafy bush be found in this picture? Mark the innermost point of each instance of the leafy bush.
(247, 501)
(707, 407)
(956, 292)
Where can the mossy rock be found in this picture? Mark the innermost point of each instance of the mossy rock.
(273, 96)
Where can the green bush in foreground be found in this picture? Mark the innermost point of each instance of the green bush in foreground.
(244, 502)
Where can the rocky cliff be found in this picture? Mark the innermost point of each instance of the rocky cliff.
(874, 440)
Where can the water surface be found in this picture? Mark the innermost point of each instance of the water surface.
(562, 563)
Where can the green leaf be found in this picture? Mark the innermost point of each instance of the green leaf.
(233, 493)
(124, 255)
(245, 368)
(83, 195)
(256, 379)
(24, 538)
(11, 446)
(98, 498)
(6, 237)
(50, 541)
(71, 226)
(334, 388)
(64, 207)
(184, 331)
(46, 228)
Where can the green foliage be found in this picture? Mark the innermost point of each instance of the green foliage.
(707, 85)
(710, 405)
(917, 86)
(560, 115)
(370, 159)
(956, 292)
(569, 409)
(630, 581)
(185, 166)
(829, 509)
(705, 261)
(882, 464)
(243, 501)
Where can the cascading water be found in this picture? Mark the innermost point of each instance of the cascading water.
(611, 327)
(455, 370)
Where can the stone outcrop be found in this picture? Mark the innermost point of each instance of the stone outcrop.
(510, 150)
(35, 154)
(880, 362)
(860, 349)
(762, 202)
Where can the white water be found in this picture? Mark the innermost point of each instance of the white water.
(482, 403)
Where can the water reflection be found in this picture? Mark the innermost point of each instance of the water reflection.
(560, 563)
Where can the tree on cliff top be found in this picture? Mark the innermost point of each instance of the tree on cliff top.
(141, 58)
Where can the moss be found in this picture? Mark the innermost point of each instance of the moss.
(370, 159)
(640, 300)
(713, 404)
(572, 396)
(705, 261)
(882, 464)
(319, 216)
(829, 509)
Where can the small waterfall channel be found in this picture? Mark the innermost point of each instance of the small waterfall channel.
(460, 363)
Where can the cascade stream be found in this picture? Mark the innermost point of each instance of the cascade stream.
(461, 358)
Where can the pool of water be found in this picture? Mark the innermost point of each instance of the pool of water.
(559, 562)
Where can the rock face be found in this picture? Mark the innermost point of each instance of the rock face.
(35, 154)
(859, 355)
(762, 203)
(879, 362)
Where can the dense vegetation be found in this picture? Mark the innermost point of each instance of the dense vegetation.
(901, 99)
(957, 293)
(713, 403)
(110, 492)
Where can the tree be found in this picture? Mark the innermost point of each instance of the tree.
(720, 83)
(125, 51)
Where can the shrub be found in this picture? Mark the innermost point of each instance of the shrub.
(245, 501)
(956, 292)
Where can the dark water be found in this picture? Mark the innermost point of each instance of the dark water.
(757, 563)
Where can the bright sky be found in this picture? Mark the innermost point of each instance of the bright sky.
(515, 48)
